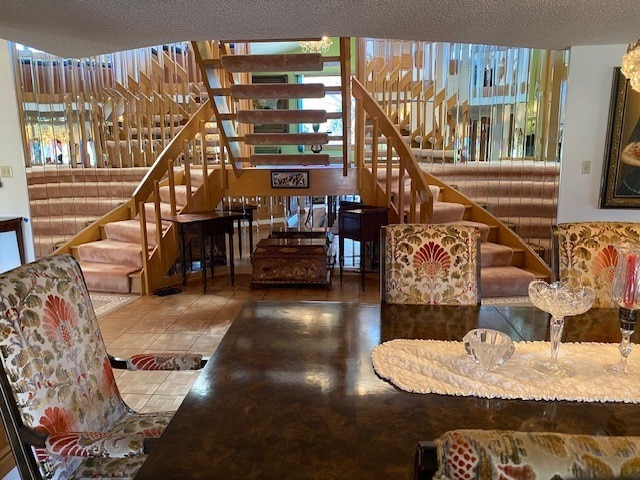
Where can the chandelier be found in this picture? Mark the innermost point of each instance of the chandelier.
(316, 46)
(631, 65)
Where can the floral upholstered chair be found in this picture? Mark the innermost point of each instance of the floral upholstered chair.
(584, 253)
(498, 454)
(430, 264)
(61, 406)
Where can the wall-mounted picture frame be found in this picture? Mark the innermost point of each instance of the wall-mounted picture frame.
(621, 169)
(289, 178)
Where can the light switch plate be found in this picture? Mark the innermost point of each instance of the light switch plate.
(6, 171)
(586, 167)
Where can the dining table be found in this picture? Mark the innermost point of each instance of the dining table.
(291, 393)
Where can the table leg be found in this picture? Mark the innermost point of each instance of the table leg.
(211, 256)
(183, 259)
(203, 260)
(20, 239)
(239, 235)
(250, 218)
(341, 255)
(231, 262)
(362, 262)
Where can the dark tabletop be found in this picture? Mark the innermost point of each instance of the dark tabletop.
(290, 393)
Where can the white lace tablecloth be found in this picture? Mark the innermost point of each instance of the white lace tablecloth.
(434, 366)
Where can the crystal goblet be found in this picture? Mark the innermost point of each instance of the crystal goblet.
(560, 300)
(625, 291)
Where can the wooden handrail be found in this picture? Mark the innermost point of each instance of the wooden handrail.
(175, 147)
(420, 191)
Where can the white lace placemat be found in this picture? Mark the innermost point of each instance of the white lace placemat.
(434, 366)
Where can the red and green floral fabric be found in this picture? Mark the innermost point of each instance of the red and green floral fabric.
(510, 455)
(587, 255)
(431, 264)
(56, 362)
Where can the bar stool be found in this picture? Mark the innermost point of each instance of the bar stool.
(246, 209)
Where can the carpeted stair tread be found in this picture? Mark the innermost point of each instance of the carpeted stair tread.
(522, 206)
(70, 206)
(82, 189)
(181, 194)
(495, 170)
(45, 245)
(481, 190)
(447, 212)
(112, 252)
(65, 225)
(505, 281)
(102, 277)
(165, 209)
(128, 231)
(495, 255)
(63, 173)
(485, 230)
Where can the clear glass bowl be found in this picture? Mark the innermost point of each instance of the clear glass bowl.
(489, 348)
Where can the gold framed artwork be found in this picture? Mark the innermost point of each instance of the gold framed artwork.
(621, 169)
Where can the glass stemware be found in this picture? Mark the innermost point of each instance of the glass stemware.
(625, 291)
(560, 300)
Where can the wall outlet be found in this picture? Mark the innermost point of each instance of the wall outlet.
(586, 167)
(6, 171)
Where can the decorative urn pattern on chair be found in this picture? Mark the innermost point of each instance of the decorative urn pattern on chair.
(431, 264)
(585, 254)
(68, 419)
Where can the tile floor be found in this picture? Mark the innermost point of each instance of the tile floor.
(196, 322)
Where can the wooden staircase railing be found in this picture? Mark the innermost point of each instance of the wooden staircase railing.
(402, 169)
(407, 175)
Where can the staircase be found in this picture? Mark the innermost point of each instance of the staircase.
(142, 247)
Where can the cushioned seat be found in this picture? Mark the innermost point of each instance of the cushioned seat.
(496, 454)
(430, 264)
(68, 419)
(584, 253)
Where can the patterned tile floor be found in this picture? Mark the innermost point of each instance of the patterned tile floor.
(196, 322)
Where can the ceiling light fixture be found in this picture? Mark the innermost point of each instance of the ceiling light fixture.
(631, 65)
(316, 46)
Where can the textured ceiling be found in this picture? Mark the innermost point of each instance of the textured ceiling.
(75, 28)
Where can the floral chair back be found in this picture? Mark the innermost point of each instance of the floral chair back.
(54, 357)
(431, 264)
(584, 253)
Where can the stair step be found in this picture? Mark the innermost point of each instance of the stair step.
(286, 139)
(181, 195)
(112, 252)
(290, 159)
(485, 230)
(128, 231)
(505, 281)
(522, 207)
(67, 225)
(278, 90)
(117, 189)
(495, 255)
(295, 62)
(102, 277)
(73, 206)
(446, 212)
(281, 116)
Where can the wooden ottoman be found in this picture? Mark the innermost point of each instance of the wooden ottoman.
(290, 261)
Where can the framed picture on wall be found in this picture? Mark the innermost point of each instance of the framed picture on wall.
(621, 170)
(289, 178)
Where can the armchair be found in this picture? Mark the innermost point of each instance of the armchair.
(430, 264)
(496, 454)
(584, 253)
(60, 404)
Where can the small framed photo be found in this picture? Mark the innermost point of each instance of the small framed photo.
(289, 178)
